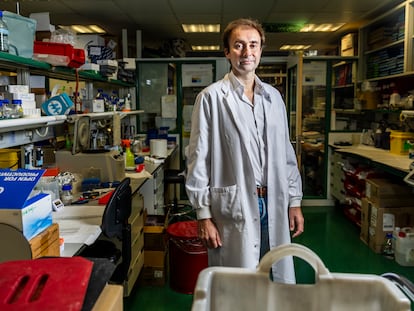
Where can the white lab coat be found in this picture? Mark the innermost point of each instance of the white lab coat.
(220, 182)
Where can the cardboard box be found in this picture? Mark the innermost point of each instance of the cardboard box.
(377, 189)
(384, 220)
(366, 206)
(30, 214)
(155, 269)
(152, 276)
(46, 243)
(154, 258)
(155, 238)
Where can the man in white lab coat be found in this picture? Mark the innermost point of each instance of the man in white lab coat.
(242, 176)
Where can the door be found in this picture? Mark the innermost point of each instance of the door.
(307, 101)
(314, 128)
(294, 101)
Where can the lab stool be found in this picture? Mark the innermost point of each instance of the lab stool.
(175, 177)
(175, 211)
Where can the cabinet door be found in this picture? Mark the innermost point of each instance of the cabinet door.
(155, 81)
(314, 103)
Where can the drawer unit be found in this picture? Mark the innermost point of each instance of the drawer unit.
(337, 176)
(153, 192)
(137, 242)
(133, 273)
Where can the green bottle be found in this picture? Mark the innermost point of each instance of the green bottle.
(129, 156)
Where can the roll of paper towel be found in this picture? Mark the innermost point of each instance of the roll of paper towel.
(158, 148)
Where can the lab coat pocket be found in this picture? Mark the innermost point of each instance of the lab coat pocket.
(225, 202)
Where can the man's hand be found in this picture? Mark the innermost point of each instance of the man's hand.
(208, 233)
(296, 221)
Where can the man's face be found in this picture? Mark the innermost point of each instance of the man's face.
(244, 51)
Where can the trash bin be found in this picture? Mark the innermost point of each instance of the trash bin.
(187, 256)
(180, 212)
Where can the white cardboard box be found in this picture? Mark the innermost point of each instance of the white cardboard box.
(19, 207)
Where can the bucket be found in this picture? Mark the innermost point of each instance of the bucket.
(187, 256)
(398, 142)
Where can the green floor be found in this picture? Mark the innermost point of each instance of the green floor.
(327, 232)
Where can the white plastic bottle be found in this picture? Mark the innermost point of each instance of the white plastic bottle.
(4, 35)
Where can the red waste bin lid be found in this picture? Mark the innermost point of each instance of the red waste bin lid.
(183, 229)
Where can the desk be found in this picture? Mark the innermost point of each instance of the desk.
(397, 164)
(80, 224)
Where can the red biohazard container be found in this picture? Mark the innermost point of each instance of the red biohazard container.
(187, 256)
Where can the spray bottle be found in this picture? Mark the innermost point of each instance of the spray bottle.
(129, 156)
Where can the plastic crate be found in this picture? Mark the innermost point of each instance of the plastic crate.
(58, 54)
(229, 288)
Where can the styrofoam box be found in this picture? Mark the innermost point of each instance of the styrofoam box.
(243, 289)
(18, 88)
(28, 104)
(24, 96)
(98, 105)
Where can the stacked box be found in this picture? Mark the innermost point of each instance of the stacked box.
(384, 220)
(366, 210)
(377, 189)
(155, 251)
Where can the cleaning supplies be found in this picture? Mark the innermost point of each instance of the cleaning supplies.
(129, 156)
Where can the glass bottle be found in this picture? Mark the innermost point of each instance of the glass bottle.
(7, 109)
(66, 195)
(387, 249)
(4, 34)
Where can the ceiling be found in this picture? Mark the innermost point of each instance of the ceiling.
(160, 20)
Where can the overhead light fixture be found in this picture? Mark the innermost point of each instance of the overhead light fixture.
(321, 27)
(300, 27)
(201, 27)
(82, 29)
(295, 47)
(205, 47)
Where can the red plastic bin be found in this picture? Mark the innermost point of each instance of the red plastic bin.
(187, 256)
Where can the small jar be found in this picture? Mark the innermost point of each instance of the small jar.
(66, 196)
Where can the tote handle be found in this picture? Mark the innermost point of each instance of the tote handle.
(292, 249)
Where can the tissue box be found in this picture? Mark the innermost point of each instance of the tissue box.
(19, 207)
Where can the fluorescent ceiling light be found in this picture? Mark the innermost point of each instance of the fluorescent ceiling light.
(321, 27)
(84, 29)
(205, 47)
(201, 27)
(295, 47)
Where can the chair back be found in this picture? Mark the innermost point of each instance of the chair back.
(117, 210)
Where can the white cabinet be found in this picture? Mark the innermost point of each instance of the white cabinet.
(153, 191)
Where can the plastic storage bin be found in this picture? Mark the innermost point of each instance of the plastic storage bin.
(228, 288)
(398, 142)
